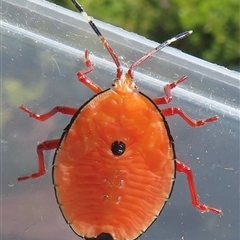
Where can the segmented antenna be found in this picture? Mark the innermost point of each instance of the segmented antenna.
(103, 40)
(112, 53)
(156, 49)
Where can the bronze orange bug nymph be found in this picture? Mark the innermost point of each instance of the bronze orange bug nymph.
(115, 164)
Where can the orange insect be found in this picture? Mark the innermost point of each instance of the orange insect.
(115, 165)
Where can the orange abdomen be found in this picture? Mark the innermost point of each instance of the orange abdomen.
(98, 191)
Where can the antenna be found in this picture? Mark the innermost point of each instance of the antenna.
(103, 40)
(112, 53)
(156, 49)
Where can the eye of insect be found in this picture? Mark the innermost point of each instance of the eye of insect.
(114, 83)
(118, 148)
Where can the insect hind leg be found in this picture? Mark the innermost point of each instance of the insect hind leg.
(181, 167)
(44, 146)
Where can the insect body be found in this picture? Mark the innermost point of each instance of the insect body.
(115, 164)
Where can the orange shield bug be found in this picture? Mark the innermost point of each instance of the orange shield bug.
(114, 166)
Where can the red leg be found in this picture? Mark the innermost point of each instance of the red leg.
(167, 89)
(45, 116)
(84, 79)
(185, 117)
(46, 145)
(181, 167)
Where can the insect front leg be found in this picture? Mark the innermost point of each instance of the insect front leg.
(44, 146)
(167, 89)
(181, 167)
(172, 111)
(81, 75)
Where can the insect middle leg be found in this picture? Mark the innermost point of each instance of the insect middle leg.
(181, 167)
(172, 111)
(44, 146)
(81, 75)
(45, 116)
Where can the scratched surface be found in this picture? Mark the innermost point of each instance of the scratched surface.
(42, 49)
